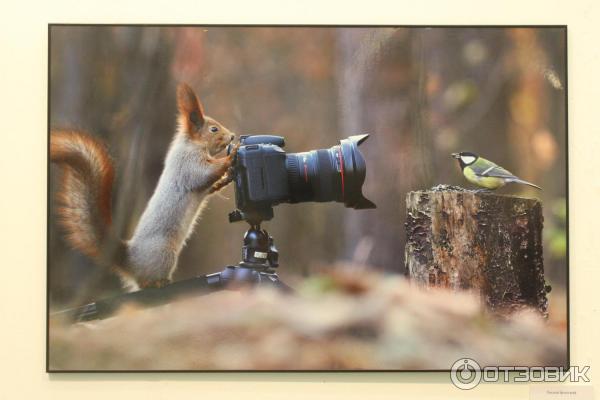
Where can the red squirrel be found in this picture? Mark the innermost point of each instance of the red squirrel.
(191, 172)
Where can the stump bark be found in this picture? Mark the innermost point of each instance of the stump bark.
(485, 242)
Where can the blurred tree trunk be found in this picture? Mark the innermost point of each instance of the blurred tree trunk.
(528, 105)
(359, 52)
(351, 81)
(380, 77)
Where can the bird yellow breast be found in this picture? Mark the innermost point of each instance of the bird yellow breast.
(486, 182)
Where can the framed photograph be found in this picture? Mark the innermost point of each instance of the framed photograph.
(329, 198)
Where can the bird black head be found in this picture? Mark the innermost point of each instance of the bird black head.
(465, 158)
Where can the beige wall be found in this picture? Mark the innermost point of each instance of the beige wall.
(23, 35)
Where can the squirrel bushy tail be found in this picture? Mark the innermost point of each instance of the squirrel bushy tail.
(191, 172)
(85, 193)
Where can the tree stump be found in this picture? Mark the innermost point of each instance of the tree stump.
(485, 242)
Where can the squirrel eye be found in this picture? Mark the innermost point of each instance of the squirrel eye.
(213, 129)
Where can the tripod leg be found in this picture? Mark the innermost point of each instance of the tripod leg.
(274, 281)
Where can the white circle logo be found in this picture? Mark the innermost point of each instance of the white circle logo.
(465, 373)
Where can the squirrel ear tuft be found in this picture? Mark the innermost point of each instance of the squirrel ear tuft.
(190, 108)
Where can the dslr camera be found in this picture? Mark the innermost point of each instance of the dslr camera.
(265, 175)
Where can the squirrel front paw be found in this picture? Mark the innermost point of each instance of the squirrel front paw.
(233, 153)
(229, 171)
(222, 181)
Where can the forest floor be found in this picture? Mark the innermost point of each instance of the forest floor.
(347, 318)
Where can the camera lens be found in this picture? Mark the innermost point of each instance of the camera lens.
(334, 174)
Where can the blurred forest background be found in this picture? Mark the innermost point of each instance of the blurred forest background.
(421, 93)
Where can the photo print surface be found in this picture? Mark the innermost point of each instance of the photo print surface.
(306, 198)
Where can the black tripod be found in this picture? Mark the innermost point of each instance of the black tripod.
(258, 267)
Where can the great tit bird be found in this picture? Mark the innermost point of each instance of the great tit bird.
(485, 173)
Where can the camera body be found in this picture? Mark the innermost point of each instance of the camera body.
(261, 179)
(265, 175)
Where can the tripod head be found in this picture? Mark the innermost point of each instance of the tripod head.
(259, 254)
(258, 251)
(259, 260)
